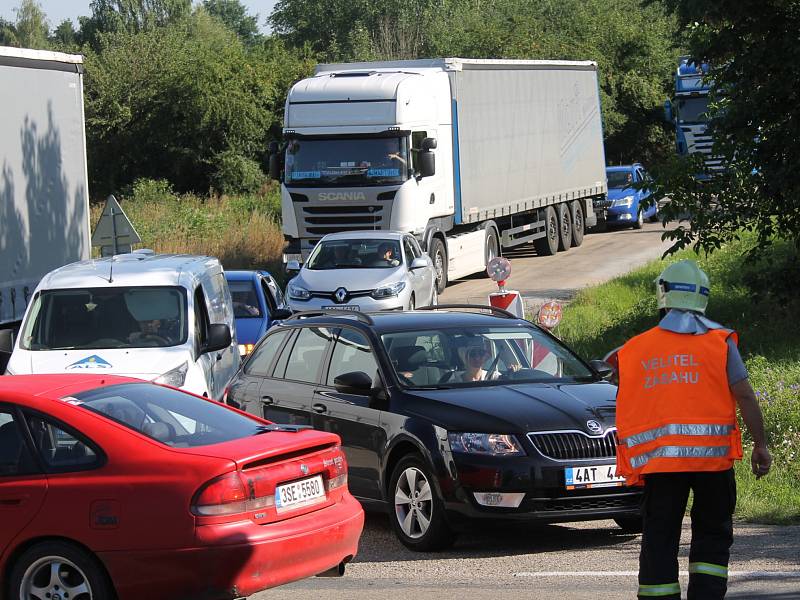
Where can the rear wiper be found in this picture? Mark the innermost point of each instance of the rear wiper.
(280, 427)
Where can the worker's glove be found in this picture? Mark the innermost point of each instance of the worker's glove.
(761, 461)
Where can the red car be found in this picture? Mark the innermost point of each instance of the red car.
(116, 488)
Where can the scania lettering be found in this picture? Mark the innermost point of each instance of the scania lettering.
(470, 156)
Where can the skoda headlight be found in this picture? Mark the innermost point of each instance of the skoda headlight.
(388, 291)
(625, 202)
(491, 444)
(175, 377)
(298, 293)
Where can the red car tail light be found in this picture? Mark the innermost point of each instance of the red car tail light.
(336, 482)
(223, 495)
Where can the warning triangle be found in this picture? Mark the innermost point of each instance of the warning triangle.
(114, 232)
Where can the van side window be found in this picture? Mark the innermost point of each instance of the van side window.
(217, 293)
(200, 318)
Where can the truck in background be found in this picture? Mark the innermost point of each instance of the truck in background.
(44, 195)
(688, 113)
(471, 156)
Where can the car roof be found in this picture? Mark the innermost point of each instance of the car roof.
(625, 167)
(245, 275)
(364, 235)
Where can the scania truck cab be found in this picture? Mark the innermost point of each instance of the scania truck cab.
(471, 156)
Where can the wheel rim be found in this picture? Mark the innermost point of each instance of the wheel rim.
(552, 229)
(491, 249)
(434, 297)
(413, 503)
(438, 263)
(578, 220)
(566, 232)
(55, 578)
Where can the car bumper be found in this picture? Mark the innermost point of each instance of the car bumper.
(621, 217)
(545, 494)
(234, 560)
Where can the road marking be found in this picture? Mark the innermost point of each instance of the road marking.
(731, 574)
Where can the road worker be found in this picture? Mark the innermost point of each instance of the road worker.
(679, 384)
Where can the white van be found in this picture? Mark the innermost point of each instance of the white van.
(167, 318)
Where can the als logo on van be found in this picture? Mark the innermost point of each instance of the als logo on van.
(90, 362)
(339, 196)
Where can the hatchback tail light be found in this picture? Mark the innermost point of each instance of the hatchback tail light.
(224, 495)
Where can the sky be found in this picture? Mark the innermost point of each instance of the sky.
(58, 10)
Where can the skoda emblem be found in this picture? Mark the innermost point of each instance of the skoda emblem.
(594, 427)
(340, 295)
(304, 469)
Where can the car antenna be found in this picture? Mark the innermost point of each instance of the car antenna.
(111, 270)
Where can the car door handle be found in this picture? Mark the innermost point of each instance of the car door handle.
(319, 408)
(12, 500)
(219, 357)
(267, 400)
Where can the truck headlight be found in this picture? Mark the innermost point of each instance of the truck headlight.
(625, 202)
(174, 377)
(388, 291)
(491, 444)
(298, 293)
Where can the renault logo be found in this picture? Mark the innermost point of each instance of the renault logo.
(340, 295)
(594, 427)
(304, 469)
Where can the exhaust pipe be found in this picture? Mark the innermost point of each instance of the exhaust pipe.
(336, 571)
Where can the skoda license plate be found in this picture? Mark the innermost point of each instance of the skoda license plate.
(590, 476)
(299, 493)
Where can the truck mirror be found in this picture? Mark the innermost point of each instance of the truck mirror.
(274, 167)
(273, 147)
(668, 111)
(427, 164)
(428, 144)
(6, 341)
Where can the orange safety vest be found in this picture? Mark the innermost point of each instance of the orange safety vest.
(675, 410)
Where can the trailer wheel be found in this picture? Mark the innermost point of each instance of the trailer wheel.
(564, 227)
(438, 255)
(578, 223)
(548, 245)
(492, 246)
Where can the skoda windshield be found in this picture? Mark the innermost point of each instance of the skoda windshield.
(117, 317)
(619, 179)
(481, 356)
(351, 161)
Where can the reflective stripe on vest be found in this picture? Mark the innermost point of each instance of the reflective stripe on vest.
(680, 452)
(676, 429)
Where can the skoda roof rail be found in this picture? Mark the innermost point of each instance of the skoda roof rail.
(333, 312)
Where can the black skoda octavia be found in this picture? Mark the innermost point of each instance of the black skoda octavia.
(447, 415)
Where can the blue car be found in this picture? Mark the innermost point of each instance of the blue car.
(257, 302)
(625, 196)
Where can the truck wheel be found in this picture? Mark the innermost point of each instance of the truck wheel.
(548, 245)
(578, 223)
(492, 246)
(564, 227)
(418, 517)
(438, 255)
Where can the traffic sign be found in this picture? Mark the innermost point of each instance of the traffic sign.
(114, 232)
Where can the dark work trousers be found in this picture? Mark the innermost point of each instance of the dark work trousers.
(663, 507)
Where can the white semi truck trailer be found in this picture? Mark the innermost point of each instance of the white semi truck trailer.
(44, 196)
(471, 156)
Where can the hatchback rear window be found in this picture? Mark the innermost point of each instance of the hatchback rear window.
(166, 415)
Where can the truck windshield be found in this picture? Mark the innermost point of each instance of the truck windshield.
(346, 161)
(693, 110)
(119, 317)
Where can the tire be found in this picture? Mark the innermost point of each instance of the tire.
(548, 245)
(411, 303)
(492, 246)
(564, 227)
(438, 255)
(410, 514)
(639, 223)
(630, 524)
(81, 576)
(578, 223)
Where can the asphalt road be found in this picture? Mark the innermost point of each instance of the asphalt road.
(601, 257)
(581, 561)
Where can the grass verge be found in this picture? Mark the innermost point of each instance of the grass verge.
(757, 298)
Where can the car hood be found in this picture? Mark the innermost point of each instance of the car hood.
(616, 193)
(142, 363)
(248, 331)
(350, 279)
(517, 408)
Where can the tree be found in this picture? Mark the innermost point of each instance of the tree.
(64, 36)
(755, 122)
(235, 16)
(31, 26)
(132, 16)
(8, 33)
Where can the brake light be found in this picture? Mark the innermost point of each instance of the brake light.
(336, 482)
(224, 495)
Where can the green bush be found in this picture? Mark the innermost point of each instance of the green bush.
(236, 174)
(150, 190)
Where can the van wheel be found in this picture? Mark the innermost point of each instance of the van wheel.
(418, 517)
(564, 227)
(438, 255)
(492, 246)
(578, 223)
(548, 245)
(58, 569)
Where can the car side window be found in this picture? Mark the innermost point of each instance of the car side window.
(15, 458)
(59, 449)
(308, 353)
(352, 353)
(200, 318)
(264, 356)
(268, 296)
(409, 251)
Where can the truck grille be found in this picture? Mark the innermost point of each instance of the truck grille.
(316, 221)
(575, 445)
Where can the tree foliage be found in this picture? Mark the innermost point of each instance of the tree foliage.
(754, 54)
(235, 16)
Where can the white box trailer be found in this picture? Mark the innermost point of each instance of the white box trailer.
(469, 155)
(44, 196)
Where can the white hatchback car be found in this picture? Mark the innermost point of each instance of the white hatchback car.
(366, 271)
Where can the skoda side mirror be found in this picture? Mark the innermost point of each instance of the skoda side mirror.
(219, 337)
(6, 341)
(357, 383)
(605, 370)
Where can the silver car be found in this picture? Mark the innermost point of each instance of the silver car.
(366, 271)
